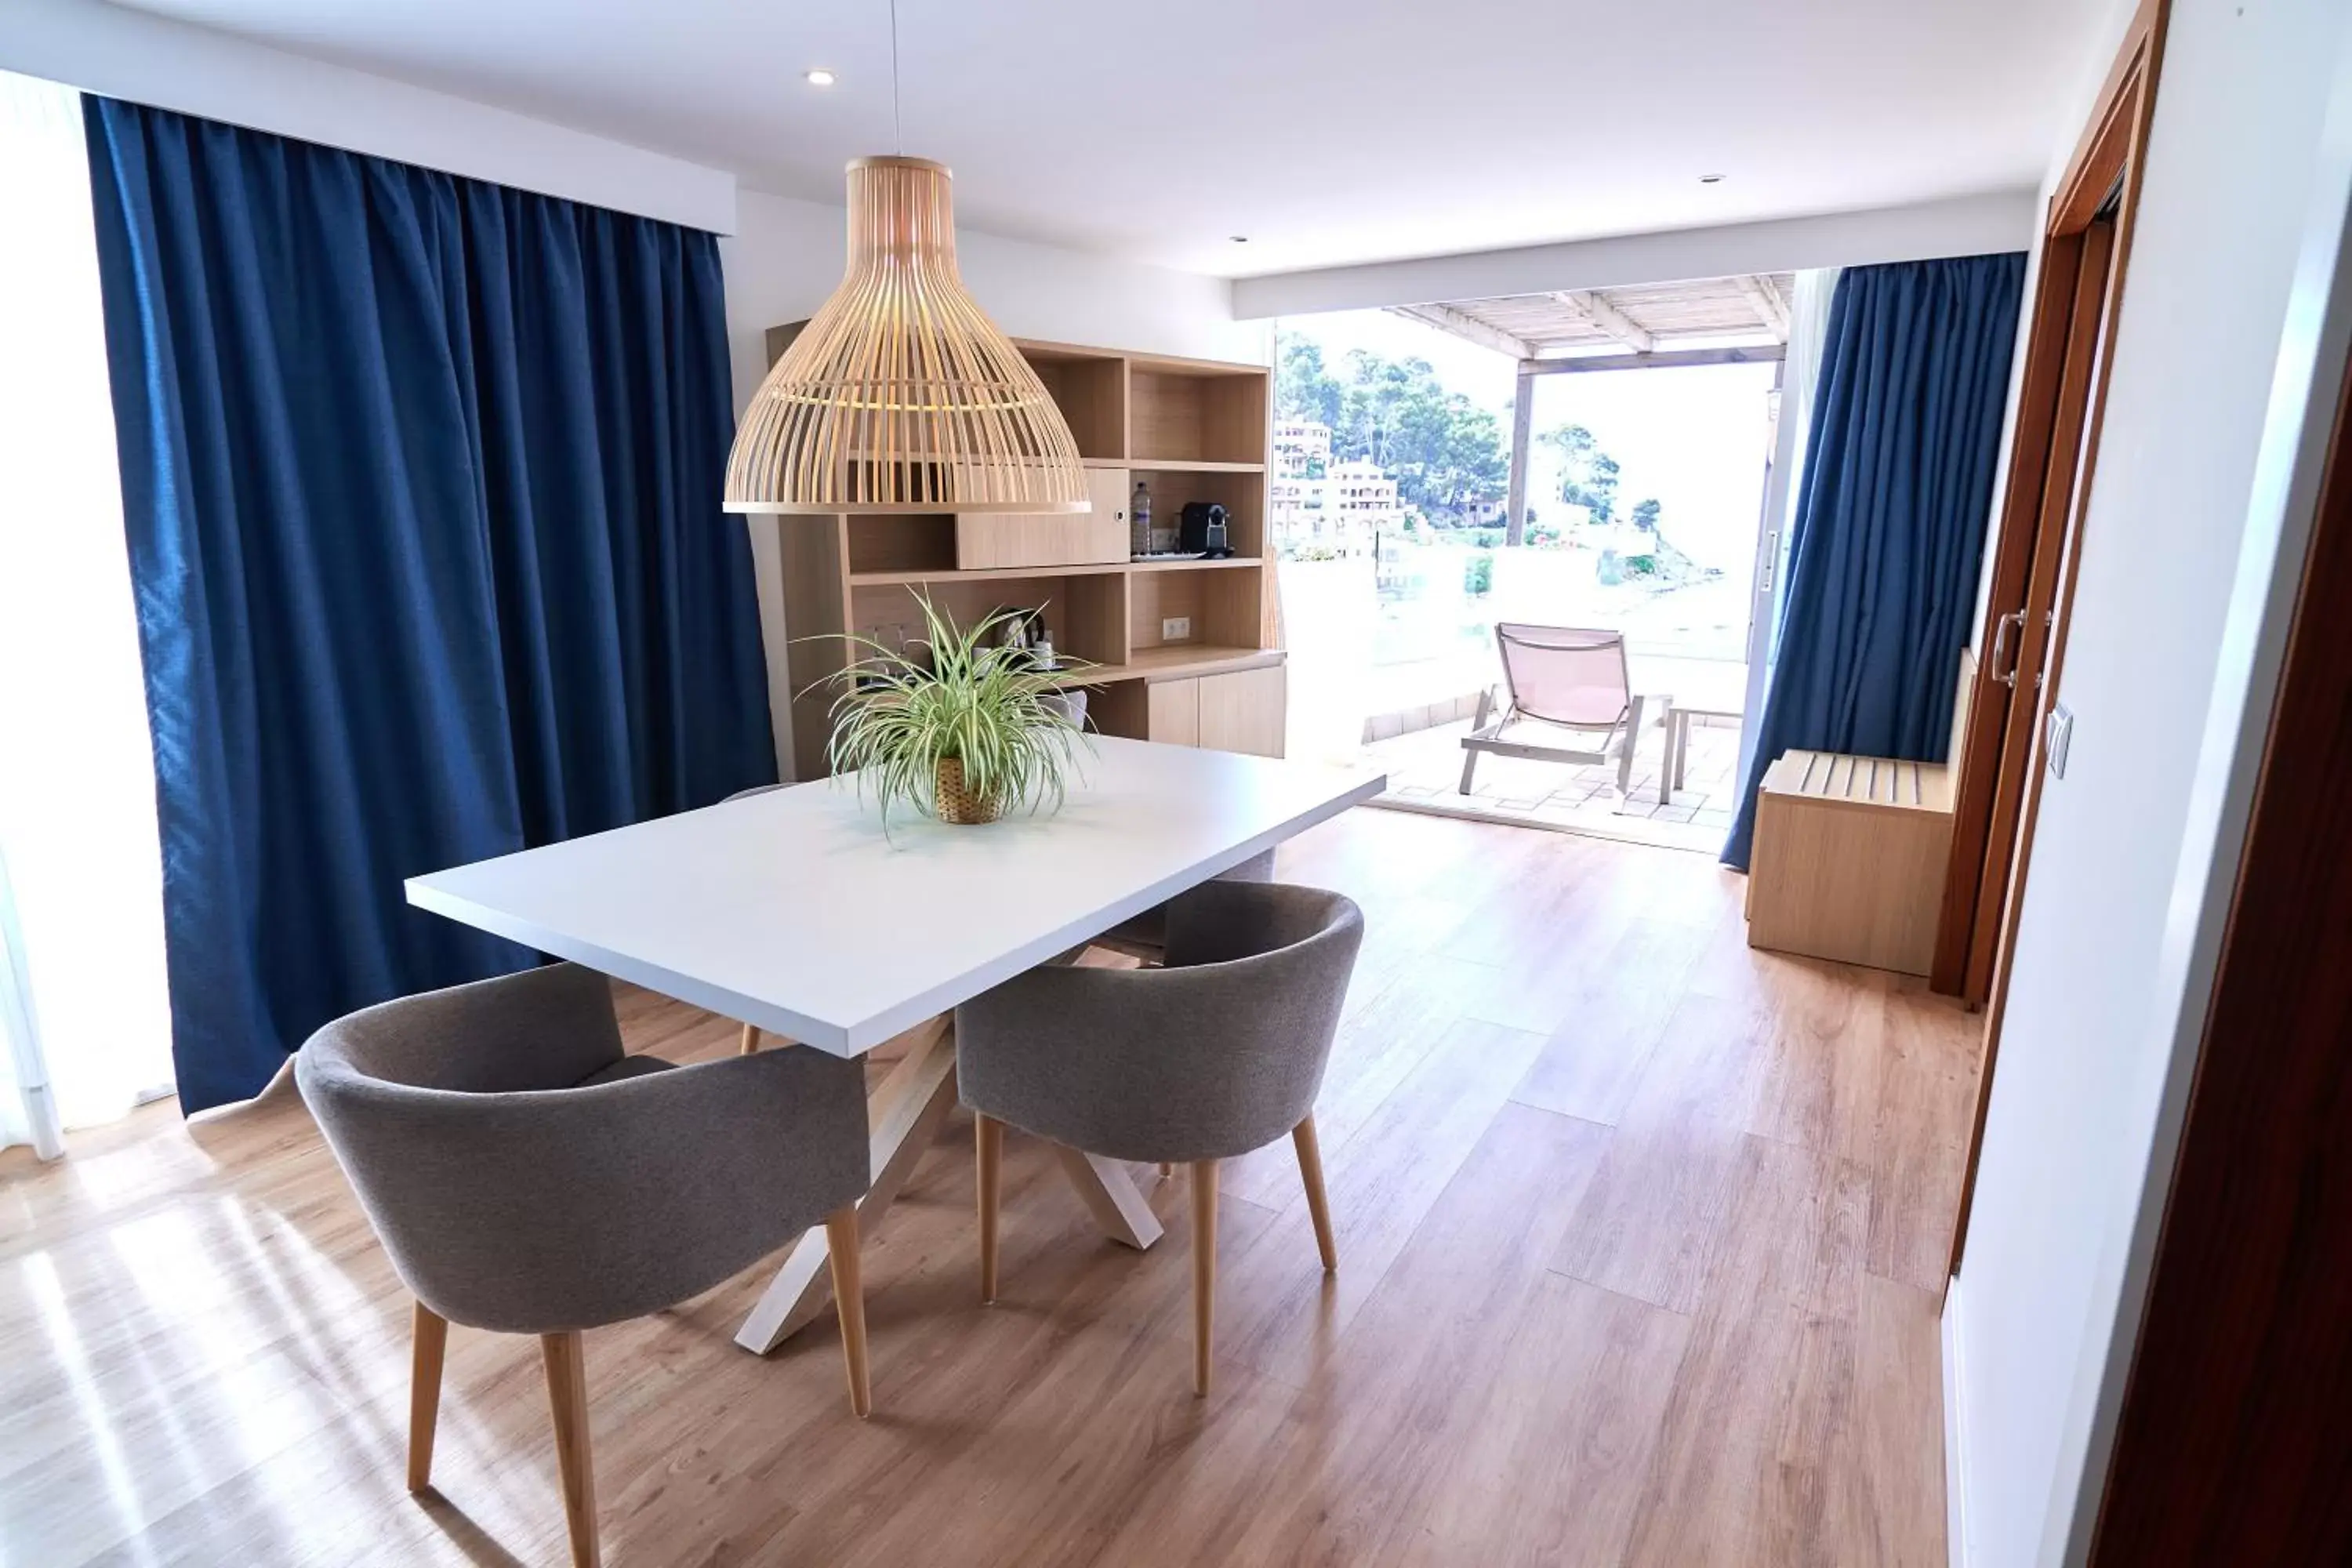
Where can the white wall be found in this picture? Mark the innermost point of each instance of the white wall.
(2087, 1049)
(121, 53)
(786, 256)
(1963, 226)
(781, 256)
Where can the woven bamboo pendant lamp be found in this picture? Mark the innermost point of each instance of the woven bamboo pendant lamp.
(899, 395)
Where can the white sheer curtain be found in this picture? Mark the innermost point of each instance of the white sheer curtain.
(1800, 373)
(1808, 331)
(82, 1000)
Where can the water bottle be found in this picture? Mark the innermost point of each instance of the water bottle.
(1138, 520)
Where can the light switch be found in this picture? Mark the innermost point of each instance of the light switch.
(2057, 734)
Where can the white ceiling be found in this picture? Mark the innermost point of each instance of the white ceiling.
(1328, 131)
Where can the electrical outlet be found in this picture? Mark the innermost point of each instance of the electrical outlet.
(1176, 628)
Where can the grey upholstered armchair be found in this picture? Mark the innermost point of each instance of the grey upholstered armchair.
(1216, 1053)
(526, 1176)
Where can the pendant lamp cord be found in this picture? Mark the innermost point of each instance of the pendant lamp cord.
(898, 141)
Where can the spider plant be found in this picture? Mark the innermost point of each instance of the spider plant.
(973, 731)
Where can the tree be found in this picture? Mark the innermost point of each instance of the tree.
(1645, 515)
(1445, 453)
(1303, 389)
(1575, 445)
(1601, 490)
(1371, 410)
(1587, 476)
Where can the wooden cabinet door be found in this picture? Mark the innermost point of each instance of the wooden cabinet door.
(1244, 710)
(1107, 536)
(1173, 712)
(990, 541)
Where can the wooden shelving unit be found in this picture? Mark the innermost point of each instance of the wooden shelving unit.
(1194, 430)
(1175, 466)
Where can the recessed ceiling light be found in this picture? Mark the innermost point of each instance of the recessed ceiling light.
(820, 78)
(1710, 179)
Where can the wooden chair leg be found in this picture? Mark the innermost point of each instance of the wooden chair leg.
(988, 1139)
(1318, 1207)
(849, 1302)
(1204, 1271)
(428, 1337)
(751, 1041)
(567, 1394)
(1167, 1169)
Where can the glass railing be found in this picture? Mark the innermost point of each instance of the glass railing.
(1412, 625)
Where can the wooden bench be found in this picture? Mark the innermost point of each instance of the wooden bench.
(1849, 859)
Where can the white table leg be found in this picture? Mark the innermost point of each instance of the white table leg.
(1104, 1185)
(904, 1115)
(1110, 1196)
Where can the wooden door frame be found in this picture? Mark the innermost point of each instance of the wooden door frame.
(2087, 259)
(1995, 749)
(2104, 175)
(1979, 772)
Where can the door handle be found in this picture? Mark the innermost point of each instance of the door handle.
(2012, 622)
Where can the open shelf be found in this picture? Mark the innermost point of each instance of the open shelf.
(1173, 661)
(1240, 490)
(1086, 611)
(996, 573)
(1090, 389)
(1152, 563)
(1190, 658)
(1227, 608)
(1176, 465)
(915, 542)
(1188, 415)
(1090, 569)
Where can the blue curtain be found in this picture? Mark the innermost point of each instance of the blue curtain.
(422, 482)
(1890, 524)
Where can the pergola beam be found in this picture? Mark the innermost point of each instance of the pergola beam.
(1770, 306)
(1600, 315)
(1522, 413)
(1663, 358)
(1469, 329)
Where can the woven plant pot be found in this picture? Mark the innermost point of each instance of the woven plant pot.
(954, 802)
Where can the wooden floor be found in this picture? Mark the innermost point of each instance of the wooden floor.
(1640, 1234)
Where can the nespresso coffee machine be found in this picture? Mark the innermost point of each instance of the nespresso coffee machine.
(1202, 530)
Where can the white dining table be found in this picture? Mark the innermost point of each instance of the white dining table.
(793, 911)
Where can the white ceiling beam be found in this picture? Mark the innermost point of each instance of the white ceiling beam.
(1957, 225)
(1469, 329)
(1769, 307)
(1597, 312)
(1663, 358)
